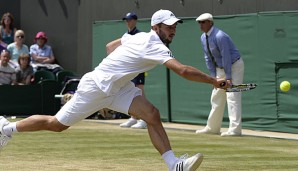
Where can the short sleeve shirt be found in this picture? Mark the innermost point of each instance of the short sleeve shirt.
(7, 74)
(22, 74)
(15, 52)
(136, 54)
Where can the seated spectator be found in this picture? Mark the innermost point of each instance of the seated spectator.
(42, 54)
(7, 73)
(7, 28)
(17, 48)
(24, 72)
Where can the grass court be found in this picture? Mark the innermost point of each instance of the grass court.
(90, 146)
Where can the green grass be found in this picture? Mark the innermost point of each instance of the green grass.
(104, 147)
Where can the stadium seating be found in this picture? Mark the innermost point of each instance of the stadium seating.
(63, 75)
(41, 75)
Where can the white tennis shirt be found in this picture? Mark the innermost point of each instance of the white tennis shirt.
(137, 53)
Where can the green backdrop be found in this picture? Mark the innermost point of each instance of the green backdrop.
(269, 48)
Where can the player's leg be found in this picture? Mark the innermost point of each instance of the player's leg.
(130, 100)
(234, 100)
(40, 122)
(142, 108)
(32, 123)
(87, 100)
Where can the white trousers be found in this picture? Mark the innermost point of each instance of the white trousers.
(219, 98)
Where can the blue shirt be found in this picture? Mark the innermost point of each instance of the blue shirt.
(7, 38)
(222, 49)
(45, 51)
(15, 52)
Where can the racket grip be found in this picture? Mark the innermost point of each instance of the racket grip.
(222, 84)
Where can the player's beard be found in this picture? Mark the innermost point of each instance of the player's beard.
(163, 38)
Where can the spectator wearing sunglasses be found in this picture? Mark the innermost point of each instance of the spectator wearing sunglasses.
(17, 48)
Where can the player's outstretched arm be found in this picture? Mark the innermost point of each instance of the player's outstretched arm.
(193, 74)
(110, 47)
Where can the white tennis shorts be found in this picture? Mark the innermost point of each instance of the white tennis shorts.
(89, 99)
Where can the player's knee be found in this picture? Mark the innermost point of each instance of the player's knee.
(60, 128)
(154, 117)
(56, 126)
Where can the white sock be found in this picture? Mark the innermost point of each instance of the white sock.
(170, 158)
(10, 128)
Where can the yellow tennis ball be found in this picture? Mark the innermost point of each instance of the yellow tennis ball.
(146, 74)
(285, 86)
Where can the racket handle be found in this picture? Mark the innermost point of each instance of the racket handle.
(222, 84)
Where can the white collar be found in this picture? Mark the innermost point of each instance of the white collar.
(210, 31)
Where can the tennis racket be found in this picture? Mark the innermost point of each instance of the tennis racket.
(240, 87)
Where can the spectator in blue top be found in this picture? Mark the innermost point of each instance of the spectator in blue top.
(223, 61)
(17, 48)
(7, 28)
(42, 54)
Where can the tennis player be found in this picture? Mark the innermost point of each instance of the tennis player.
(109, 86)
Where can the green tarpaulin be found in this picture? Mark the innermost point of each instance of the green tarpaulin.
(268, 43)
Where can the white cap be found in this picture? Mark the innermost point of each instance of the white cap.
(164, 16)
(205, 16)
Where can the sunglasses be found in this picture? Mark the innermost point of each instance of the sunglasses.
(21, 37)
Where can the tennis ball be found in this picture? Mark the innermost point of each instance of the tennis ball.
(285, 86)
(146, 74)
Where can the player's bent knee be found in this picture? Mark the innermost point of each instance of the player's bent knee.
(154, 117)
(56, 126)
(60, 128)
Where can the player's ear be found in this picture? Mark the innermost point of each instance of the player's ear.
(155, 27)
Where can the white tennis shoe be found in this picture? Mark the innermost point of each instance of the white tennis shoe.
(206, 130)
(230, 134)
(188, 164)
(129, 123)
(140, 125)
(3, 138)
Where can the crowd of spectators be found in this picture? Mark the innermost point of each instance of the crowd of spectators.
(18, 61)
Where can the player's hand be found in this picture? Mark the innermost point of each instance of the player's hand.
(222, 83)
(230, 82)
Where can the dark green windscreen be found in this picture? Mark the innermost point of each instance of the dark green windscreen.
(268, 45)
